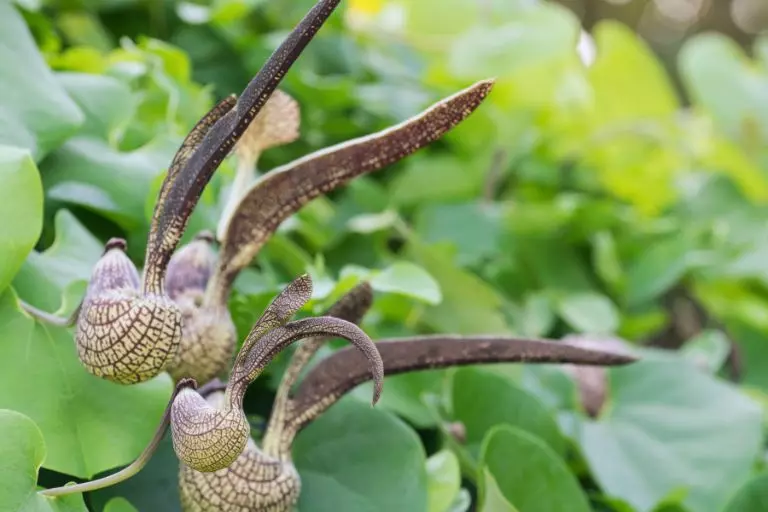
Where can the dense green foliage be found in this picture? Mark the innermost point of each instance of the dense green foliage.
(581, 198)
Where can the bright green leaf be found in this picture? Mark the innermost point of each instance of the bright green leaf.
(88, 172)
(408, 279)
(752, 497)
(35, 112)
(482, 400)
(107, 103)
(119, 505)
(359, 458)
(591, 313)
(21, 207)
(493, 499)
(70, 258)
(469, 304)
(656, 269)
(22, 451)
(156, 487)
(530, 475)
(669, 426)
(443, 480)
(89, 424)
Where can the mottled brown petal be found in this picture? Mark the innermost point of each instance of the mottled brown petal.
(273, 342)
(350, 307)
(280, 311)
(162, 241)
(343, 370)
(283, 191)
(179, 200)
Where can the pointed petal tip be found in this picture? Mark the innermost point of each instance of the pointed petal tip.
(377, 389)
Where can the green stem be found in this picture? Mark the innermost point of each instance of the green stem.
(50, 318)
(135, 466)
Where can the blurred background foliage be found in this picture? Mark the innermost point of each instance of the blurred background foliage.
(614, 185)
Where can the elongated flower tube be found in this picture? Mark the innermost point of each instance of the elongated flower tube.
(282, 192)
(209, 438)
(128, 329)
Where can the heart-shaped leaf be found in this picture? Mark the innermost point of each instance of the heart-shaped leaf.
(493, 499)
(752, 497)
(669, 426)
(21, 205)
(531, 476)
(35, 112)
(89, 424)
(360, 458)
(481, 400)
(22, 451)
(443, 480)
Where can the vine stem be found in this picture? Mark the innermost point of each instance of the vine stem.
(50, 318)
(137, 465)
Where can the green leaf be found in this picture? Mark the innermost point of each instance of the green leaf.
(629, 81)
(473, 228)
(536, 317)
(482, 400)
(443, 481)
(408, 279)
(528, 52)
(670, 426)
(35, 112)
(588, 312)
(469, 304)
(656, 269)
(21, 207)
(722, 80)
(493, 499)
(107, 103)
(89, 424)
(359, 458)
(752, 497)
(708, 350)
(69, 259)
(405, 395)
(22, 451)
(605, 259)
(753, 345)
(530, 475)
(119, 505)
(631, 125)
(417, 184)
(156, 487)
(88, 172)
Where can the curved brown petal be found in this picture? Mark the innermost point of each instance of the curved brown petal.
(343, 370)
(279, 312)
(274, 341)
(350, 307)
(285, 190)
(187, 182)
